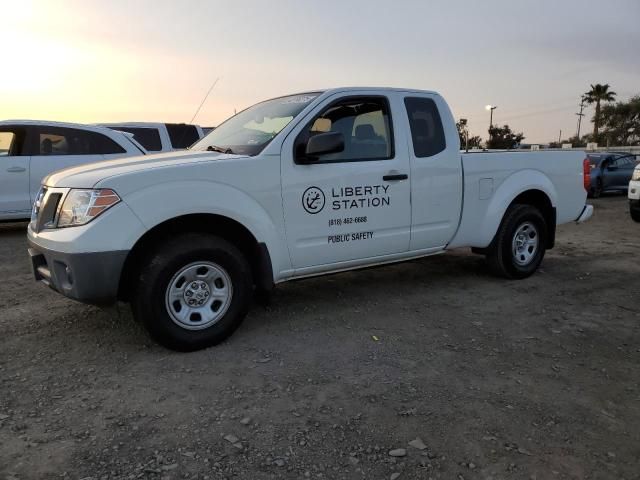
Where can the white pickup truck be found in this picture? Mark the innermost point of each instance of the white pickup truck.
(292, 187)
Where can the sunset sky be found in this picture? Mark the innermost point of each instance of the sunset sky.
(154, 60)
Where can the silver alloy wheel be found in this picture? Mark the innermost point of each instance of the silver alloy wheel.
(198, 295)
(524, 245)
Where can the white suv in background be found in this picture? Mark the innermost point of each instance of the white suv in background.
(634, 194)
(32, 149)
(161, 137)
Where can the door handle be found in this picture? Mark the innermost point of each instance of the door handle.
(395, 176)
(16, 169)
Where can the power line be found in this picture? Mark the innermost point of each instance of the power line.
(515, 113)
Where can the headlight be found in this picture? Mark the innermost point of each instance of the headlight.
(82, 206)
(636, 174)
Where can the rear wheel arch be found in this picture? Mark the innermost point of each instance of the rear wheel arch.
(517, 249)
(256, 253)
(541, 201)
(536, 198)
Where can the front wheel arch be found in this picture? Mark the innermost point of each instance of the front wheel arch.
(256, 252)
(164, 290)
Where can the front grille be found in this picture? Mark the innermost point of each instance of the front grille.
(45, 209)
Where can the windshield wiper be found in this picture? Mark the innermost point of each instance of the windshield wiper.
(213, 148)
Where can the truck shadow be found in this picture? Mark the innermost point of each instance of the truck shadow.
(9, 228)
(450, 281)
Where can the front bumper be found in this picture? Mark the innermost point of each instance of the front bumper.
(587, 213)
(87, 277)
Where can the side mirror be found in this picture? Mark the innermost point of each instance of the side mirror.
(324, 143)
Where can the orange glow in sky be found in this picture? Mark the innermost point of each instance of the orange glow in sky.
(61, 72)
(154, 60)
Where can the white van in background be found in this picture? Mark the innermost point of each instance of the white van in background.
(160, 137)
(32, 149)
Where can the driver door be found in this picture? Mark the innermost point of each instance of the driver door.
(343, 207)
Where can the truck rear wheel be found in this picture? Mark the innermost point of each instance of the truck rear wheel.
(193, 292)
(519, 246)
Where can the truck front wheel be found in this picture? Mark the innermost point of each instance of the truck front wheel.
(193, 292)
(519, 246)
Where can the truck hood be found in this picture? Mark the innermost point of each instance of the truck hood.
(87, 175)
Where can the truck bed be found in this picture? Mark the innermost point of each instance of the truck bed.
(489, 177)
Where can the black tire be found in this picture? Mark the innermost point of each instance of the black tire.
(635, 214)
(501, 257)
(149, 304)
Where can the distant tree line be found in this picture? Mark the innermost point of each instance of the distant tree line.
(503, 138)
(614, 124)
(621, 123)
(463, 133)
(598, 94)
(499, 137)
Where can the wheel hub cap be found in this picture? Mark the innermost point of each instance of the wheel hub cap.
(198, 295)
(525, 244)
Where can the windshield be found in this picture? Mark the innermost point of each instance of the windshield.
(251, 130)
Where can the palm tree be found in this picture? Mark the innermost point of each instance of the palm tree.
(598, 93)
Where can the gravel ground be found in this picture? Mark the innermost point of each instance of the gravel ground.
(428, 369)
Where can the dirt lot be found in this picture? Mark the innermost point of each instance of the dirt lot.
(530, 379)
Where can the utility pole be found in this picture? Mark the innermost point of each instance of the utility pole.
(490, 108)
(580, 115)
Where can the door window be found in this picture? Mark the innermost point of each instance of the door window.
(6, 142)
(624, 162)
(71, 141)
(365, 123)
(427, 133)
(12, 142)
(149, 138)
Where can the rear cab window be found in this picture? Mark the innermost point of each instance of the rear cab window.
(148, 137)
(427, 132)
(182, 136)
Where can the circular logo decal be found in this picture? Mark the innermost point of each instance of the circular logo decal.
(313, 200)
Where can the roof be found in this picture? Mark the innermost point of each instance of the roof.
(50, 123)
(330, 91)
(134, 124)
(609, 154)
(384, 89)
(144, 124)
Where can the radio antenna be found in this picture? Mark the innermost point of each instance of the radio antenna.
(204, 100)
